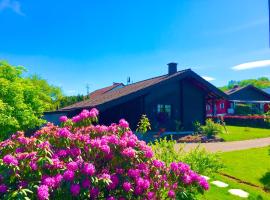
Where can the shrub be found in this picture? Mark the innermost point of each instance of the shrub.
(246, 109)
(197, 127)
(82, 160)
(199, 159)
(211, 128)
(259, 121)
(143, 125)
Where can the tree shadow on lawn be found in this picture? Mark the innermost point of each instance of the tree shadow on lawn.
(265, 180)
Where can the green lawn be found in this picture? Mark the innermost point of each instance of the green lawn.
(252, 165)
(236, 133)
(216, 193)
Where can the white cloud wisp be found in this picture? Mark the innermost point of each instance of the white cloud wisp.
(252, 65)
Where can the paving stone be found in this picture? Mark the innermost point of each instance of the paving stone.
(220, 184)
(239, 192)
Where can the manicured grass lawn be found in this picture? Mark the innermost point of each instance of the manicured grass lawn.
(216, 193)
(252, 165)
(236, 133)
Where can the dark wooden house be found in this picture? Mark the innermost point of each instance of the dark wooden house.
(179, 96)
(257, 99)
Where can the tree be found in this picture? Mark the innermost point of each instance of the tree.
(23, 100)
(69, 100)
(262, 82)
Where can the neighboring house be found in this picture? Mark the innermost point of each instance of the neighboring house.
(257, 98)
(179, 96)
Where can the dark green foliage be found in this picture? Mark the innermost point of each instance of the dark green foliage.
(246, 109)
(197, 127)
(69, 100)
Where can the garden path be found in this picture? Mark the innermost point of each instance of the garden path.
(229, 146)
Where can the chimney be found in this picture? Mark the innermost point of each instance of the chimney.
(172, 68)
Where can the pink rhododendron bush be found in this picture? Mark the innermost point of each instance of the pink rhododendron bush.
(83, 160)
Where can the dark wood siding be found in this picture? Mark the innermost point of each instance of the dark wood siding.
(131, 111)
(193, 105)
(167, 94)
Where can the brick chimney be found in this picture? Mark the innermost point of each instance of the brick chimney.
(172, 68)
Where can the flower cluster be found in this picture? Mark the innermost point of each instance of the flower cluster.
(85, 161)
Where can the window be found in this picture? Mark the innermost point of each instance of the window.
(221, 106)
(161, 108)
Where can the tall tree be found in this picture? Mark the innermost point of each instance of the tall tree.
(23, 100)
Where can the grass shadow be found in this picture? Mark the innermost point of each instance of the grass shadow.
(265, 180)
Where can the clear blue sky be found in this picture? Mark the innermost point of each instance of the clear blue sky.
(72, 43)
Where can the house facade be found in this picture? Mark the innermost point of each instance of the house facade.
(258, 100)
(179, 97)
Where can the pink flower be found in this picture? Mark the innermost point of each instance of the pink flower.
(43, 192)
(105, 149)
(129, 152)
(64, 132)
(123, 123)
(33, 165)
(49, 181)
(58, 179)
(127, 186)
(203, 183)
(114, 183)
(171, 194)
(68, 175)
(93, 113)
(75, 189)
(174, 166)
(148, 153)
(3, 188)
(150, 195)
(89, 169)
(76, 119)
(158, 164)
(63, 119)
(73, 166)
(44, 145)
(86, 183)
(84, 114)
(94, 192)
(10, 160)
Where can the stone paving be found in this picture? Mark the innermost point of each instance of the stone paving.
(237, 192)
(228, 146)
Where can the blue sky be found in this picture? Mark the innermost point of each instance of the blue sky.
(97, 42)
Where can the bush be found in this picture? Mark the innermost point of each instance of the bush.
(199, 159)
(81, 160)
(143, 125)
(246, 109)
(257, 121)
(197, 127)
(211, 128)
